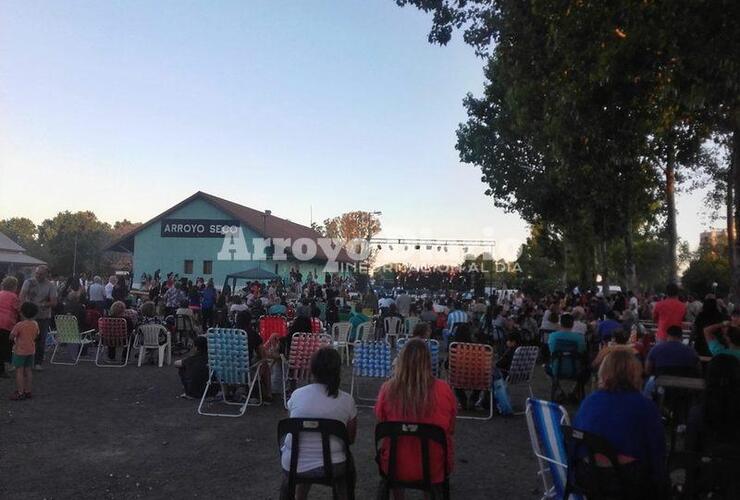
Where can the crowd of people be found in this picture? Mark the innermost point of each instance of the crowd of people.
(623, 341)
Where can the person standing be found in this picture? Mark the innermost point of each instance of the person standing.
(9, 307)
(24, 334)
(43, 293)
(668, 312)
(403, 303)
(96, 294)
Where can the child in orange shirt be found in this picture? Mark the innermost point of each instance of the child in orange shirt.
(24, 335)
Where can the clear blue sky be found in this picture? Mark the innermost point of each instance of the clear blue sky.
(126, 108)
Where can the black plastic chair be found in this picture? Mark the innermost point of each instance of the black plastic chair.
(567, 363)
(425, 433)
(326, 428)
(595, 472)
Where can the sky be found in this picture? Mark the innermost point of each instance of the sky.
(308, 108)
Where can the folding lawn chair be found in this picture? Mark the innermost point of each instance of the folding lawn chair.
(298, 365)
(471, 368)
(522, 367)
(68, 332)
(340, 335)
(544, 421)
(228, 360)
(112, 333)
(568, 364)
(273, 325)
(372, 360)
(327, 429)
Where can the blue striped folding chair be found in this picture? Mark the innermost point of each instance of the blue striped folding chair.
(522, 367)
(544, 421)
(433, 346)
(228, 362)
(371, 360)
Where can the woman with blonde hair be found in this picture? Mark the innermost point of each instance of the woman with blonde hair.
(631, 423)
(414, 395)
(9, 308)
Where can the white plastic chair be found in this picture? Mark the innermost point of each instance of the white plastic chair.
(149, 339)
(340, 335)
(364, 331)
(393, 327)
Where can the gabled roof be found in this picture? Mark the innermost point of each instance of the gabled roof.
(12, 253)
(268, 227)
(9, 245)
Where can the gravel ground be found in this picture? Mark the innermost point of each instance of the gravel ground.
(122, 433)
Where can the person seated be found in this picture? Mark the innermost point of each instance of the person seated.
(186, 310)
(607, 326)
(556, 340)
(620, 341)
(421, 331)
(257, 353)
(74, 308)
(356, 318)
(731, 335)
(237, 305)
(321, 399)
(117, 311)
(193, 371)
(413, 394)
(630, 422)
(513, 341)
(672, 355)
(278, 309)
(149, 314)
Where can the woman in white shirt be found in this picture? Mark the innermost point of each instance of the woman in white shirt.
(322, 399)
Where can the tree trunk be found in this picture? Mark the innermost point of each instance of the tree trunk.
(670, 198)
(735, 169)
(604, 260)
(630, 271)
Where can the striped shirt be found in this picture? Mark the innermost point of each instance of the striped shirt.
(456, 316)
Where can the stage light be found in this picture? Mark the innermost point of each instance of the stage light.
(429, 247)
(390, 247)
(406, 247)
(465, 249)
(445, 249)
(417, 247)
(439, 248)
(380, 247)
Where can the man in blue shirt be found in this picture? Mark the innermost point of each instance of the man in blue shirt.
(565, 334)
(607, 327)
(671, 354)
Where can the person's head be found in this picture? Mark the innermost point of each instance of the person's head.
(41, 273)
(326, 367)
(620, 371)
(9, 284)
(184, 304)
(117, 308)
(29, 310)
(674, 333)
(464, 332)
(428, 305)
(410, 387)
(302, 324)
(513, 340)
(112, 279)
(201, 344)
(244, 321)
(421, 330)
(611, 314)
(148, 309)
(566, 321)
(620, 336)
(671, 290)
(97, 280)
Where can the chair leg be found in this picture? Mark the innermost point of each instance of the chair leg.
(160, 352)
(141, 354)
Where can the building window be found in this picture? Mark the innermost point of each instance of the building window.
(188, 267)
(207, 267)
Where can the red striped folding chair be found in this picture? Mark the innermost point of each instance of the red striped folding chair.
(297, 368)
(113, 333)
(470, 368)
(273, 325)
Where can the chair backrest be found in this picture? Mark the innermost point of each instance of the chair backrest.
(363, 331)
(432, 345)
(470, 366)
(594, 469)
(150, 334)
(273, 325)
(522, 365)
(228, 355)
(392, 325)
(68, 330)
(327, 429)
(302, 347)
(566, 360)
(183, 323)
(425, 434)
(372, 358)
(316, 325)
(544, 421)
(113, 332)
(340, 331)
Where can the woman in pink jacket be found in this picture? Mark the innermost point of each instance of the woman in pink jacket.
(9, 306)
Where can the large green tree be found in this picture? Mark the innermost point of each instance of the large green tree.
(74, 242)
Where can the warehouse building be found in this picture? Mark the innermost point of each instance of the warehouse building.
(206, 236)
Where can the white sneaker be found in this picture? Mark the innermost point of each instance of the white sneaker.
(38, 368)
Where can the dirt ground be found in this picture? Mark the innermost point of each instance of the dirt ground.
(122, 433)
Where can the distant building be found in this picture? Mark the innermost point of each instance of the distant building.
(710, 239)
(13, 256)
